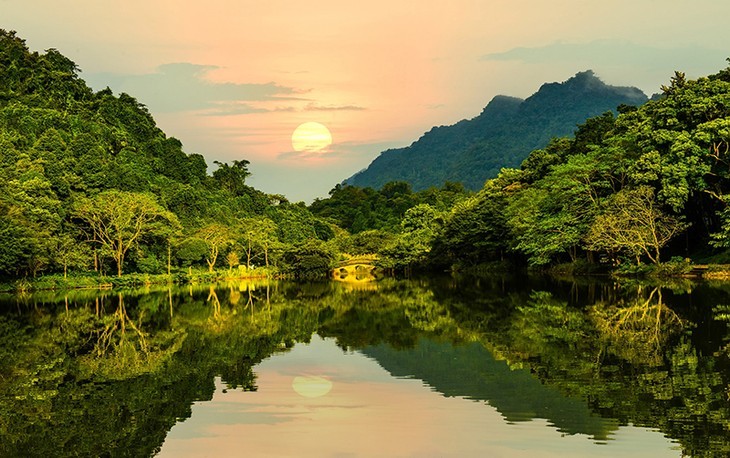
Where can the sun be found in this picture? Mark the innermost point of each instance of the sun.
(311, 137)
(311, 386)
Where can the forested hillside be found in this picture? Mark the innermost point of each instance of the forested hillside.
(89, 182)
(652, 183)
(474, 150)
(642, 187)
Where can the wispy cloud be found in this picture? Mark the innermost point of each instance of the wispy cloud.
(614, 53)
(341, 150)
(316, 107)
(184, 87)
(241, 108)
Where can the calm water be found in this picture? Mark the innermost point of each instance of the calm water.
(433, 367)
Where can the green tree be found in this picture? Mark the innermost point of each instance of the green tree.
(70, 253)
(217, 236)
(118, 220)
(633, 223)
(476, 230)
(34, 206)
(553, 215)
(258, 236)
(232, 177)
(191, 250)
(232, 260)
(309, 259)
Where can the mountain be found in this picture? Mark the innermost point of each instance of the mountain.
(506, 131)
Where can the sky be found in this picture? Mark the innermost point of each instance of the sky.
(233, 79)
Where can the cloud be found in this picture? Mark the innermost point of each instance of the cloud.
(337, 150)
(301, 155)
(232, 108)
(183, 87)
(315, 107)
(241, 108)
(615, 53)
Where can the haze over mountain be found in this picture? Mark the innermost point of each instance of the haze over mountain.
(471, 151)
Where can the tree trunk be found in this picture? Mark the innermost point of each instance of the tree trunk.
(248, 255)
(572, 252)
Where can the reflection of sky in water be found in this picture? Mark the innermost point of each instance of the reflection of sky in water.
(368, 412)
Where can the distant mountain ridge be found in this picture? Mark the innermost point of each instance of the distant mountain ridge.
(504, 133)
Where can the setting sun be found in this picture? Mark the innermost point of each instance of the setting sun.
(311, 386)
(311, 137)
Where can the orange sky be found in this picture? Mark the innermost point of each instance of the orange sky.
(377, 74)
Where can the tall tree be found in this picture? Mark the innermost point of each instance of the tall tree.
(217, 236)
(634, 223)
(118, 220)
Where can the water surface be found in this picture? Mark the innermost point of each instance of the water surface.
(364, 410)
(430, 367)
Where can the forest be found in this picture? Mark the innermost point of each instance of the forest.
(92, 187)
(625, 192)
(91, 184)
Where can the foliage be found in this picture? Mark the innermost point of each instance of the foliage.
(90, 181)
(217, 237)
(625, 185)
(633, 224)
(362, 209)
(472, 151)
(311, 259)
(118, 220)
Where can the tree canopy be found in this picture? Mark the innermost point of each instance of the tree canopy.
(91, 170)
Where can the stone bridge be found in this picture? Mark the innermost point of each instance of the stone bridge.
(360, 268)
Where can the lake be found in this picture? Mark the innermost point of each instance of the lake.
(442, 366)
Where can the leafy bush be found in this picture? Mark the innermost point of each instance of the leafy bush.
(676, 266)
(309, 260)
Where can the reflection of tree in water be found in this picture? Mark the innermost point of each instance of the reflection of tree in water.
(115, 331)
(638, 329)
(122, 348)
(228, 302)
(629, 356)
(215, 303)
(152, 344)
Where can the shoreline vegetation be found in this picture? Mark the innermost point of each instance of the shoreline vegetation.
(91, 184)
(677, 269)
(134, 280)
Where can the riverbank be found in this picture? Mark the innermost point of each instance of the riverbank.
(675, 268)
(96, 281)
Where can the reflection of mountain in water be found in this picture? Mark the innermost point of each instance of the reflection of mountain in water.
(470, 371)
